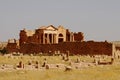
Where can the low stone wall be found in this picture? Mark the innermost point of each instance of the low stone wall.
(82, 48)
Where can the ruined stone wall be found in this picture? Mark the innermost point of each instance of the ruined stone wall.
(82, 48)
(23, 37)
(35, 38)
(67, 35)
(78, 36)
(30, 48)
(12, 47)
(39, 36)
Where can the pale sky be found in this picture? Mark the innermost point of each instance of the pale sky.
(99, 20)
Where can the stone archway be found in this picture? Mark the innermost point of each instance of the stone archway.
(60, 38)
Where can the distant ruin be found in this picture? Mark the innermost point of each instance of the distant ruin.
(51, 40)
(49, 35)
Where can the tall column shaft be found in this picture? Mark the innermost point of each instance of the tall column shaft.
(55, 38)
(48, 39)
(52, 38)
(43, 38)
(73, 38)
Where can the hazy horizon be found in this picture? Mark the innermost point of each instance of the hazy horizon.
(99, 20)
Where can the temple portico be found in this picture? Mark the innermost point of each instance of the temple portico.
(49, 38)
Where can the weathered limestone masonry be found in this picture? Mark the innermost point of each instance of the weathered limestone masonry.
(54, 40)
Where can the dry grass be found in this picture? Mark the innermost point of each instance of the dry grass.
(97, 73)
(108, 72)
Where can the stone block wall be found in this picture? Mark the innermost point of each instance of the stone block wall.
(82, 48)
(12, 47)
(78, 36)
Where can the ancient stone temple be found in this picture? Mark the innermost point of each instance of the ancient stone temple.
(49, 35)
(52, 40)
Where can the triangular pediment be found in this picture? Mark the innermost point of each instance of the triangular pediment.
(51, 27)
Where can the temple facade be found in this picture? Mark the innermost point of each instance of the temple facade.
(49, 35)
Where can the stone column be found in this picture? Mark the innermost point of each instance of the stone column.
(52, 38)
(55, 38)
(72, 38)
(48, 38)
(43, 38)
